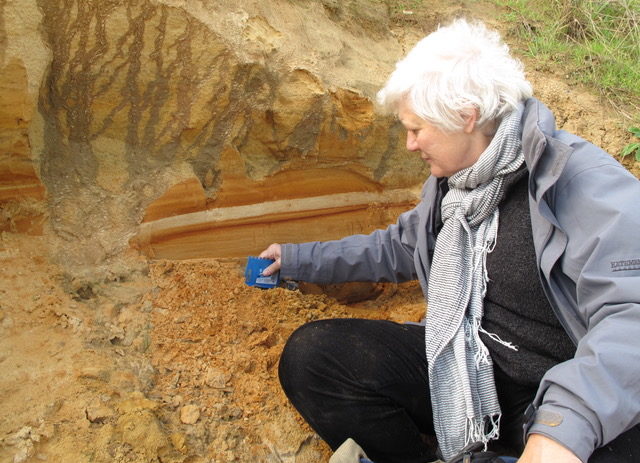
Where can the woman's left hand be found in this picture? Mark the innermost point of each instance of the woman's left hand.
(542, 449)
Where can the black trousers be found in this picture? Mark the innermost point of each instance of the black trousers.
(367, 379)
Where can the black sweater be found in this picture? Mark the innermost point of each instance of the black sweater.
(515, 307)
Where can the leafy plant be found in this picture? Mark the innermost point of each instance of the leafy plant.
(633, 147)
(597, 41)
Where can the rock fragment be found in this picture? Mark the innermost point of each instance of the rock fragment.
(98, 412)
(216, 378)
(179, 441)
(190, 414)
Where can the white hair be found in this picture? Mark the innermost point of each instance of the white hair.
(454, 70)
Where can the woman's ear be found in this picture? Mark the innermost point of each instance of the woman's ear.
(470, 117)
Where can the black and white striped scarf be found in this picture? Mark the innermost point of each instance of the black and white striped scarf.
(463, 394)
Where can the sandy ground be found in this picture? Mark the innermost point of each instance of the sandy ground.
(173, 362)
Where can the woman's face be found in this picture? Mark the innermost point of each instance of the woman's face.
(445, 152)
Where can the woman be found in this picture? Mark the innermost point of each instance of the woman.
(525, 245)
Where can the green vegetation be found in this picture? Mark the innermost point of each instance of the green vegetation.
(597, 42)
(633, 147)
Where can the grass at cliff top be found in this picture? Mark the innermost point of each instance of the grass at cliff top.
(596, 41)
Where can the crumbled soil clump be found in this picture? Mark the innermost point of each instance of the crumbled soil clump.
(217, 345)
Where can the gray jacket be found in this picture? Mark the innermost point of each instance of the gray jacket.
(585, 216)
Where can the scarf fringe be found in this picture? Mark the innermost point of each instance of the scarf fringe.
(484, 430)
(498, 339)
(481, 356)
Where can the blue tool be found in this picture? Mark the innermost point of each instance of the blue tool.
(253, 273)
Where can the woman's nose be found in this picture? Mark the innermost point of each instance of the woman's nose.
(412, 142)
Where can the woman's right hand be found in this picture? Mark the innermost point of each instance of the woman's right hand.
(272, 252)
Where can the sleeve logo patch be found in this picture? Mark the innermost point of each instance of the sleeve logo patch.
(622, 265)
(548, 418)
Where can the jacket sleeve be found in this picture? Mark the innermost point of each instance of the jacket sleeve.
(586, 402)
(384, 255)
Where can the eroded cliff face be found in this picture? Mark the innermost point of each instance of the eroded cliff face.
(23, 62)
(120, 112)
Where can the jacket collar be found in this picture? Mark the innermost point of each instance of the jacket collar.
(545, 155)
